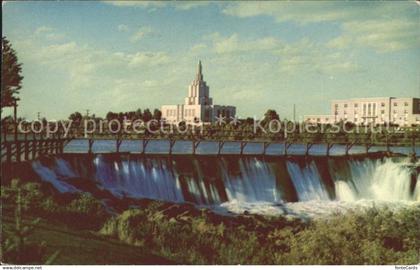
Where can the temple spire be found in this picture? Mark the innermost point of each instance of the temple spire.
(199, 71)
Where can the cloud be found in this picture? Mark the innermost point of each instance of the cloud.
(340, 42)
(308, 56)
(382, 36)
(233, 44)
(369, 24)
(310, 12)
(48, 33)
(142, 4)
(178, 5)
(141, 33)
(303, 55)
(198, 48)
(301, 12)
(43, 29)
(123, 28)
(187, 5)
(147, 58)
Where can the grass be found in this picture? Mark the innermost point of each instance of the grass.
(86, 247)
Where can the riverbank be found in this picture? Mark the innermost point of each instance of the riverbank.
(86, 231)
(81, 246)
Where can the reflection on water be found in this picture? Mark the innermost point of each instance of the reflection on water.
(211, 147)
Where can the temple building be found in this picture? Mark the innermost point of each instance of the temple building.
(198, 106)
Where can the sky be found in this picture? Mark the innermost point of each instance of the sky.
(120, 56)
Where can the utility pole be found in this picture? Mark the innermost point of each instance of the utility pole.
(87, 112)
(38, 115)
(294, 113)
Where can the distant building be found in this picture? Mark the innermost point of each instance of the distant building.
(392, 110)
(198, 107)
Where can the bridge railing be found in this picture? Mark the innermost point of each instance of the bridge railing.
(30, 147)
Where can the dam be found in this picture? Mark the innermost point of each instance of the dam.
(258, 183)
(214, 181)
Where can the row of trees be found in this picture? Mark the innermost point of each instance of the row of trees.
(145, 115)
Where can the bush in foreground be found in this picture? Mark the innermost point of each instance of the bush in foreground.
(189, 236)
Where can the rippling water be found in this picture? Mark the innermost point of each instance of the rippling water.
(267, 185)
(207, 147)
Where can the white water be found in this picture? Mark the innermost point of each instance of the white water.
(255, 183)
(138, 180)
(382, 180)
(250, 185)
(311, 209)
(307, 181)
(49, 175)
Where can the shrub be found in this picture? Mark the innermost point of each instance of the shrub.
(200, 237)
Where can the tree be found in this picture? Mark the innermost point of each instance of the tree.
(147, 115)
(157, 114)
(111, 116)
(11, 78)
(76, 117)
(139, 114)
(271, 115)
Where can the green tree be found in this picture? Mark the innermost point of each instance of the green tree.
(11, 78)
(157, 114)
(271, 115)
(147, 115)
(76, 117)
(139, 114)
(111, 116)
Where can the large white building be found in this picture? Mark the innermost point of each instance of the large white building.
(198, 107)
(385, 110)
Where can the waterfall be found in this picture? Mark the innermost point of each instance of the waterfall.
(243, 180)
(307, 181)
(50, 176)
(255, 182)
(344, 192)
(138, 179)
(383, 180)
(63, 168)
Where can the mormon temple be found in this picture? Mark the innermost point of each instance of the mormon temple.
(198, 107)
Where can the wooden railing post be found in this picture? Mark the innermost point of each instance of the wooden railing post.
(329, 146)
(265, 146)
(90, 142)
(8, 152)
(308, 147)
(144, 142)
(243, 144)
(118, 144)
(62, 146)
(171, 145)
(221, 143)
(26, 147)
(18, 150)
(41, 145)
(34, 146)
(195, 146)
(413, 144)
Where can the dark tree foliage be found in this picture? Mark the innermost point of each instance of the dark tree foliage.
(271, 115)
(157, 114)
(76, 117)
(11, 78)
(147, 115)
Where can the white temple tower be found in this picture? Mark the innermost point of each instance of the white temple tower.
(198, 107)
